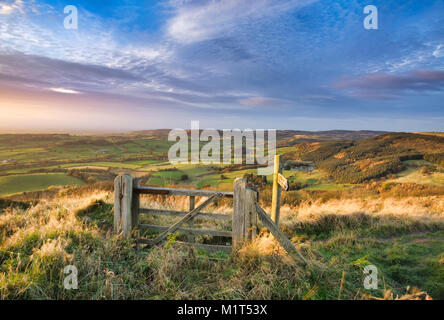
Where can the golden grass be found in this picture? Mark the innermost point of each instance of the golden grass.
(47, 217)
(35, 245)
(410, 206)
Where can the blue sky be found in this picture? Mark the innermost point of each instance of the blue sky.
(295, 64)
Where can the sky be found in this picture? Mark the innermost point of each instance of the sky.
(262, 64)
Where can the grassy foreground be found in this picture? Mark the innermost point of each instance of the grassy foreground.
(403, 238)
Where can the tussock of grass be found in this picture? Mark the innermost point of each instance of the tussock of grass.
(37, 243)
(386, 217)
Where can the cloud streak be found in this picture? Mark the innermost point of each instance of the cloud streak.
(196, 21)
(63, 90)
(379, 85)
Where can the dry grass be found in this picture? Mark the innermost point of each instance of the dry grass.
(380, 217)
(37, 243)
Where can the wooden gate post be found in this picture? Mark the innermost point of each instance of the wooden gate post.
(191, 237)
(244, 223)
(276, 196)
(123, 195)
(135, 209)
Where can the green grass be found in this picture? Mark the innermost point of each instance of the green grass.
(41, 241)
(81, 148)
(88, 167)
(328, 187)
(304, 176)
(198, 175)
(34, 182)
(166, 177)
(416, 163)
(144, 162)
(104, 164)
(7, 153)
(413, 175)
(210, 181)
(413, 260)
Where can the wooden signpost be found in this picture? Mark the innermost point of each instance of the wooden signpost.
(272, 224)
(283, 182)
(279, 183)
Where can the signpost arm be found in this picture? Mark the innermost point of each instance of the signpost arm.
(276, 198)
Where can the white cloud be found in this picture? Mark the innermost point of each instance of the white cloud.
(412, 59)
(97, 44)
(439, 51)
(8, 8)
(213, 19)
(63, 90)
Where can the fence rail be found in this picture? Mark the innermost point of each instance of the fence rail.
(216, 216)
(217, 233)
(209, 247)
(180, 192)
(128, 211)
(190, 215)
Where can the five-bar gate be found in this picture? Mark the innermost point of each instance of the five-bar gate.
(127, 211)
(244, 225)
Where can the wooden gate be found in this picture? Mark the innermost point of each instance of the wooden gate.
(127, 211)
(244, 220)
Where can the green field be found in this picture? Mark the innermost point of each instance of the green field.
(145, 155)
(105, 164)
(413, 174)
(328, 187)
(33, 182)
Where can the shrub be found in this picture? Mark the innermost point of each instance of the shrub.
(428, 169)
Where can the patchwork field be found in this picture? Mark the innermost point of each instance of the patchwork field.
(33, 182)
(144, 154)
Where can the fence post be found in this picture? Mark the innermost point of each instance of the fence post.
(251, 213)
(276, 196)
(244, 213)
(191, 237)
(135, 207)
(123, 192)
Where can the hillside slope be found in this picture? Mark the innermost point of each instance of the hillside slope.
(403, 238)
(362, 160)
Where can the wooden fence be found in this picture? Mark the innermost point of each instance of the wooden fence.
(244, 219)
(127, 211)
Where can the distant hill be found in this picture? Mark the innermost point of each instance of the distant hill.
(361, 160)
(293, 137)
(439, 134)
(288, 137)
(158, 133)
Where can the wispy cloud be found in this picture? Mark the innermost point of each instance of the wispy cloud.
(203, 20)
(378, 85)
(63, 90)
(9, 8)
(438, 52)
(259, 101)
